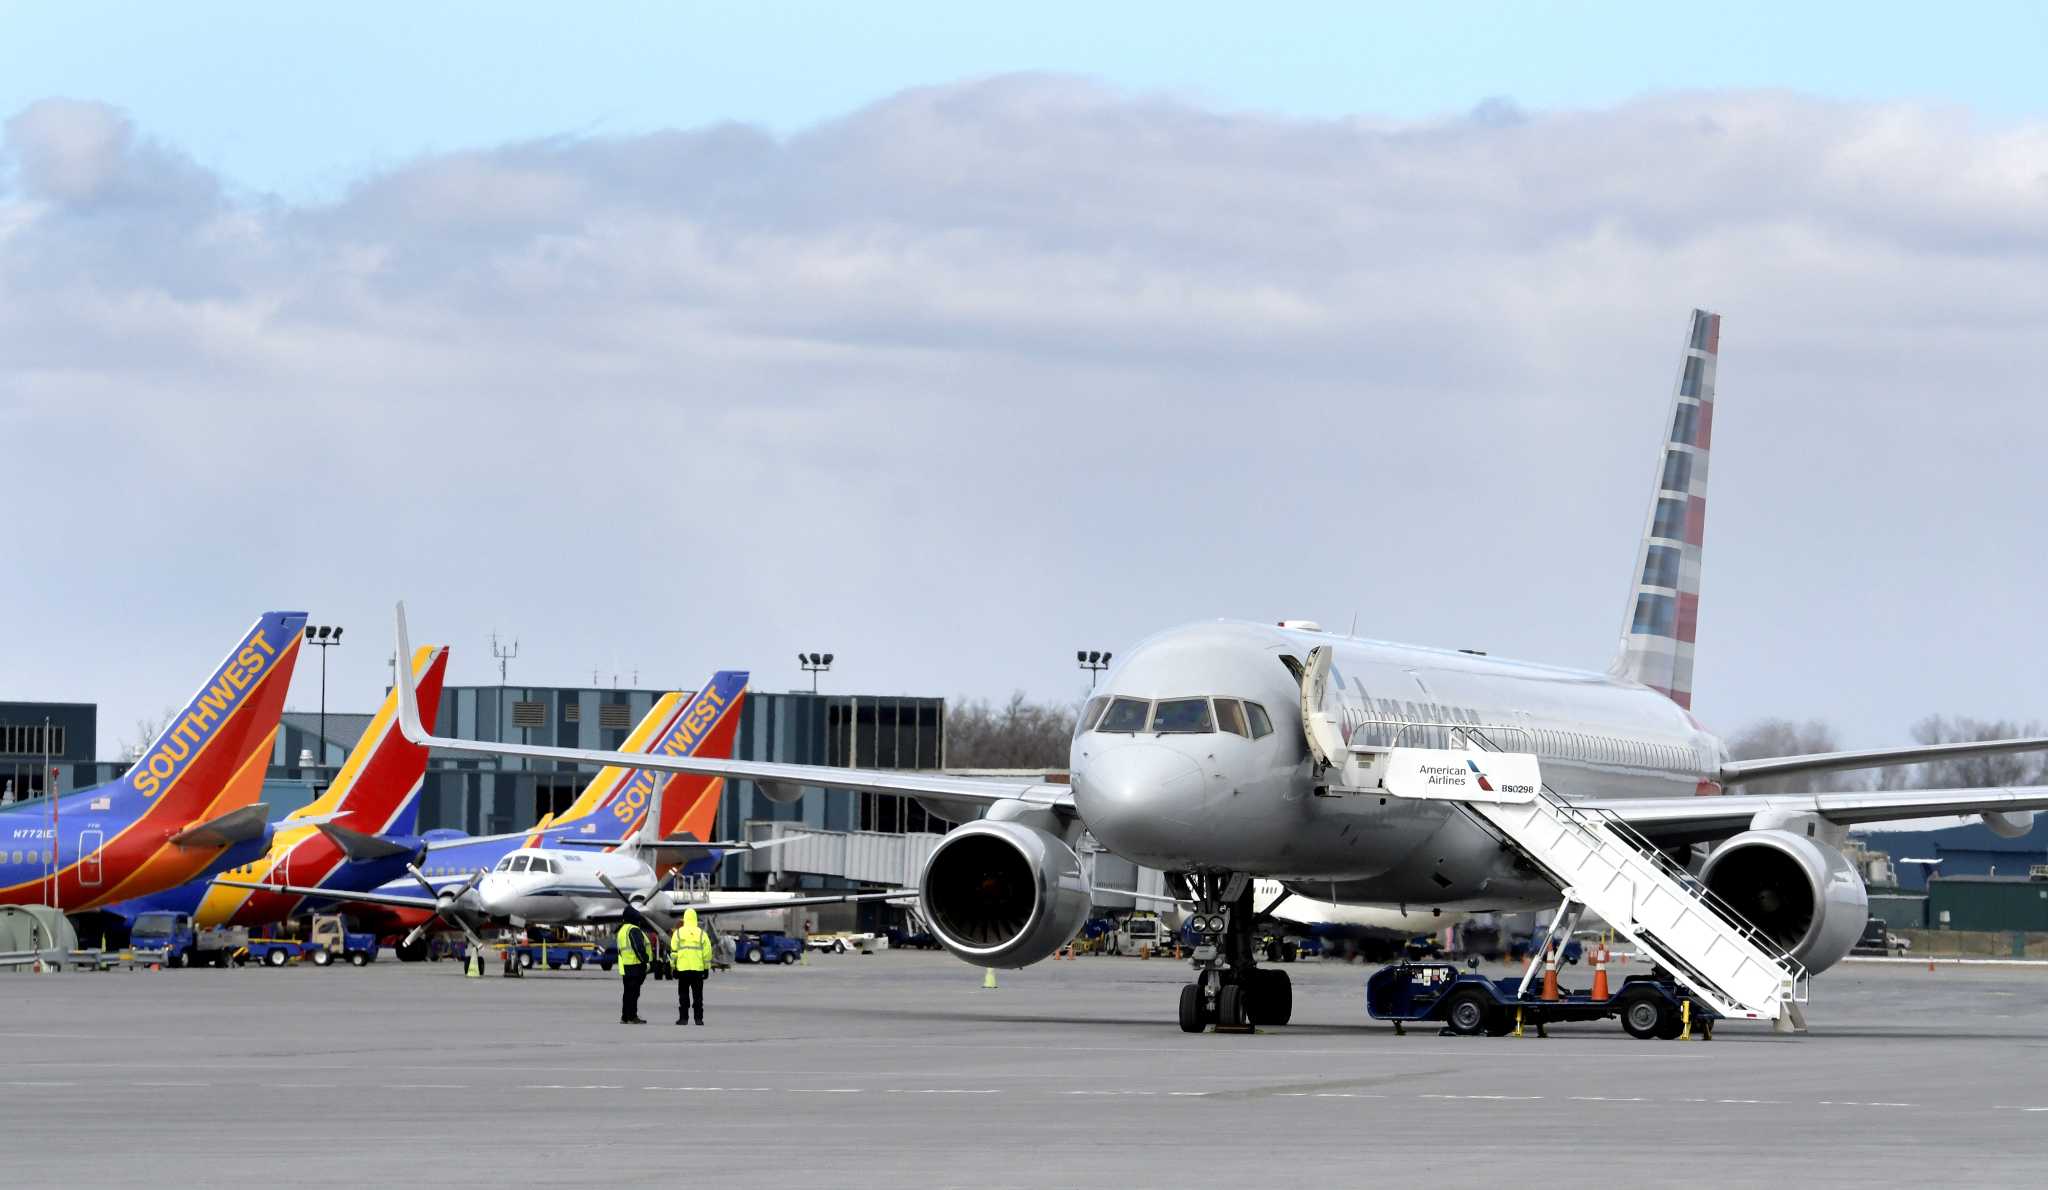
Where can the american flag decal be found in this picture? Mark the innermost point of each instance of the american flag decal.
(1664, 599)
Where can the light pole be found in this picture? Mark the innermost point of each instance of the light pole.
(814, 664)
(326, 636)
(1093, 662)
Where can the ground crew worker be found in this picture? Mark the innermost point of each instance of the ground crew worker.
(689, 952)
(635, 957)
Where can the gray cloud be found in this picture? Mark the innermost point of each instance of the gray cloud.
(985, 373)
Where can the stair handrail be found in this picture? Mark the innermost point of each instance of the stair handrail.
(1587, 820)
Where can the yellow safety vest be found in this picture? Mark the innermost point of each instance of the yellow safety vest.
(690, 949)
(626, 956)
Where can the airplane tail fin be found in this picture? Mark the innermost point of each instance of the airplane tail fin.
(710, 725)
(617, 801)
(209, 758)
(1664, 595)
(377, 789)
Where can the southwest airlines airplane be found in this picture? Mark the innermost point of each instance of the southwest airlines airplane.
(613, 808)
(185, 810)
(340, 842)
(1202, 755)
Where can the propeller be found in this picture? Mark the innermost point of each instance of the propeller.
(446, 907)
(641, 907)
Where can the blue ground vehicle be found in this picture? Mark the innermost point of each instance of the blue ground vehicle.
(1469, 1004)
(171, 938)
(555, 954)
(771, 946)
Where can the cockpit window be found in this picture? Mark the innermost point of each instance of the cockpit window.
(1125, 714)
(1230, 716)
(504, 865)
(519, 862)
(1090, 713)
(541, 865)
(1183, 716)
(1261, 726)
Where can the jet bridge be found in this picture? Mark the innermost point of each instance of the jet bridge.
(1596, 860)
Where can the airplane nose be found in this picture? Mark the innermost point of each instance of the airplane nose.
(1140, 800)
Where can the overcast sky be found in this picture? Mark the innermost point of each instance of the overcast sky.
(989, 369)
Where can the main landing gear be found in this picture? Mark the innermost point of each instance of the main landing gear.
(1230, 989)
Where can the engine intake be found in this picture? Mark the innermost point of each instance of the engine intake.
(1804, 895)
(1003, 894)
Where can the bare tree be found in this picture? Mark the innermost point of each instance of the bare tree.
(1973, 772)
(1783, 737)
(146, 730)
(1018, 735)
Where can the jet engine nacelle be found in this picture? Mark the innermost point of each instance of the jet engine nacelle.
(1003, 894)
(1803, 894)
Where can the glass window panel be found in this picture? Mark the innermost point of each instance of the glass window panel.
(1126, 714)
(1261, 726)
(1230, 717)
(1670, 521)
(1090, 713)
(1183, 716)
(519, 862)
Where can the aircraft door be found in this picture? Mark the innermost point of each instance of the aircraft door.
(89, 866)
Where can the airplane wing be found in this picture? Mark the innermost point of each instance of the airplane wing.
(400, 900)
(1705, 819)
(1820, 762)
(779, 781)
(677, 902)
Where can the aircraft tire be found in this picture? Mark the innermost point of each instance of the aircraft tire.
(1272, 998)
(1230, 1006)
(1190, 1008)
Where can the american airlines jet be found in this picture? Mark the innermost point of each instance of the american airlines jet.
(1214, 751)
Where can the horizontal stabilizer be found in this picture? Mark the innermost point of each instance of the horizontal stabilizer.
(236, 826)
(361, 848)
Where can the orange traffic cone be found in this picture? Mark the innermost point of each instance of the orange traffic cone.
(1550, 972)
(1600, 970)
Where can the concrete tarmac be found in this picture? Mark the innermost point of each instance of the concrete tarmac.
(899, 1069)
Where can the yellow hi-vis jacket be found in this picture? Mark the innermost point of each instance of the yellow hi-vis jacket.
(626, 956)
(689, 948)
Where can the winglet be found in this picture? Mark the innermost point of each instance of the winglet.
(408, 700)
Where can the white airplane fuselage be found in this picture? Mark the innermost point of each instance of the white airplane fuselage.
(1217, 800)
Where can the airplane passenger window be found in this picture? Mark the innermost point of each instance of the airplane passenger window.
(1261, 726)
(541, 865)
(1230, 716)
(1183, 716)
(1126, 714)
(1090, 713)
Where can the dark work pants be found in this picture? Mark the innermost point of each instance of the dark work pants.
(689, 986)
(629, 1007)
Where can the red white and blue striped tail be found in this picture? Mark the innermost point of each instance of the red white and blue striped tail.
(1664, 602)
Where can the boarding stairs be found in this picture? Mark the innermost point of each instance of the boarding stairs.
(1596, 860)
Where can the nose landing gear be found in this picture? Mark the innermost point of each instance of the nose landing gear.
(1230, 990)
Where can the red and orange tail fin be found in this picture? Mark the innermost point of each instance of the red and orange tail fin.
(380, 781)
(689, 807)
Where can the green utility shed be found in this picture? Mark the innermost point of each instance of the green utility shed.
(2001, 903)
